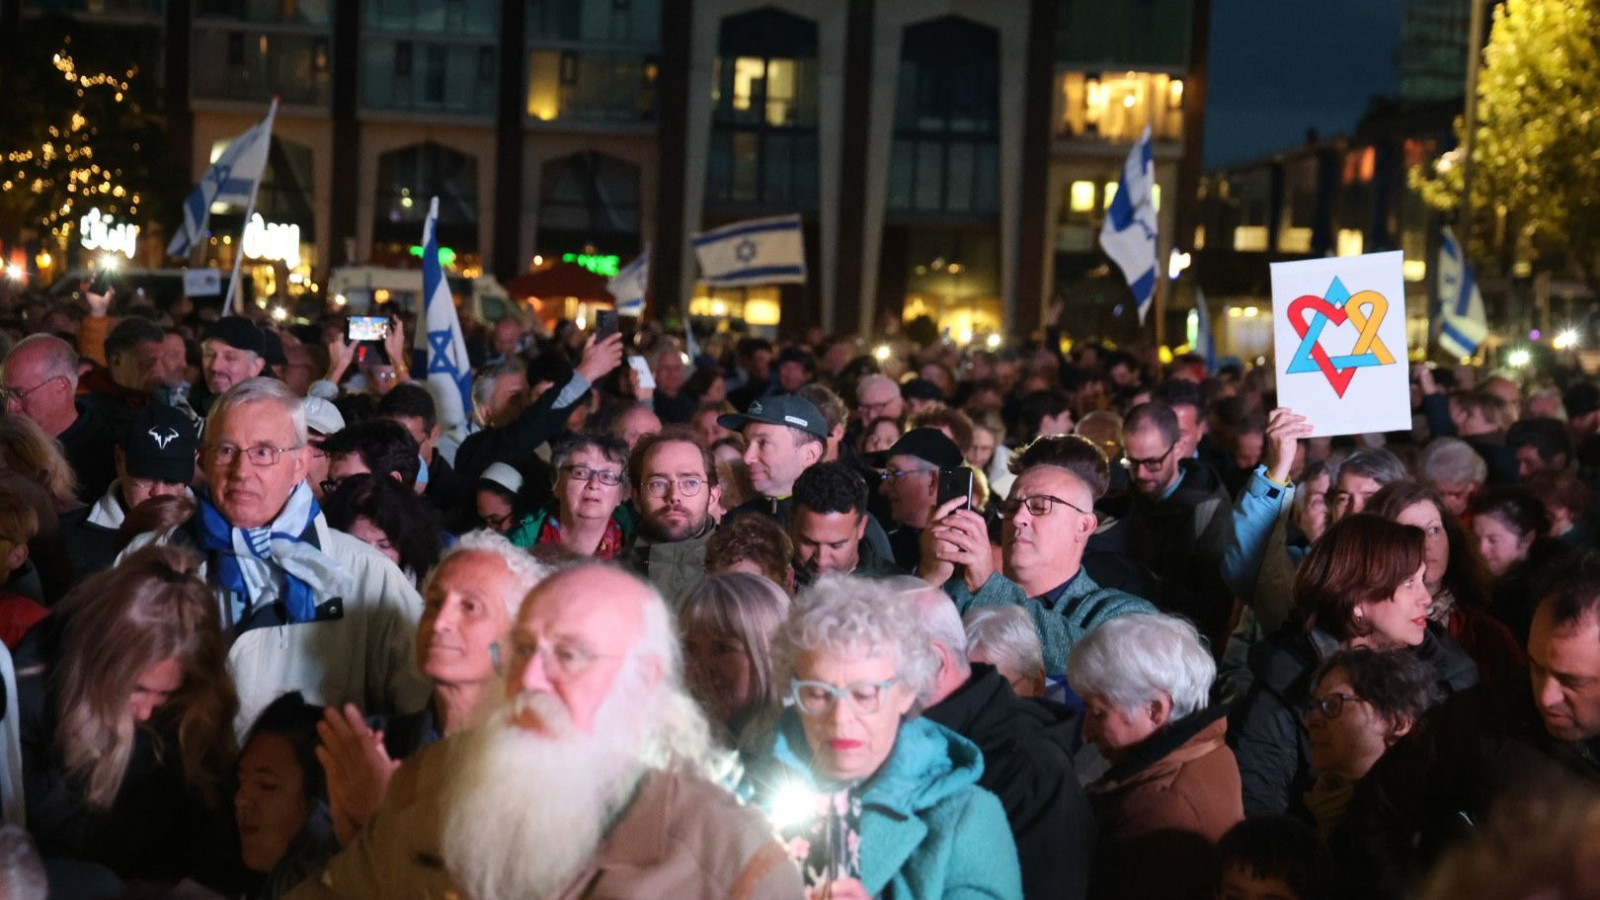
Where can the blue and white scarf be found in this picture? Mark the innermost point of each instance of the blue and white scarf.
(281, 560)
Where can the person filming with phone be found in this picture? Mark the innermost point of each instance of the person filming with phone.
(911, 482)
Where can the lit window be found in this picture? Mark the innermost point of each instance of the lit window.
(1083, 196)
(1350, 242)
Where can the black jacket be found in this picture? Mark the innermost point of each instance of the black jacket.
(1267, 730)
(87, 444)
(1027, 749)
(514, 442)
(92, 548)
(1182, 538)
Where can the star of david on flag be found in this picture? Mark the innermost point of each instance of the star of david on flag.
(1462, 322)
(229, 180)
(757, 251)
(449, 373)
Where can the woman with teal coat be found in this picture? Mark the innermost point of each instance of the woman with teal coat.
(874, 804)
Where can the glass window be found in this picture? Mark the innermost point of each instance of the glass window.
(409, 177)
(463, 18)
(1115, 106)
(289, 12)
(588, 202)
(635, 23)
(764, 112)
(947, 119)
(1124, 34)
(242, 65)
(591, 86)
(426, 76)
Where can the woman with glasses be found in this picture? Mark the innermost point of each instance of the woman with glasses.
(1364, 584)
(1366, 801)
(587, 518)
(873, 801)
(1172, 790)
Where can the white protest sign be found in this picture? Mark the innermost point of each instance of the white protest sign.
(202, 282)
(1339, 330)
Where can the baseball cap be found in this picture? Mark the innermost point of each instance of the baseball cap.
(927, 444)
(779, 409)
(322, 416)
(160, 443)
(239, 333)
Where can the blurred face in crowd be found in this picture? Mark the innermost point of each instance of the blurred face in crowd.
(981, 451)
(1348, 736)
(1350, 494)
(1241, 882)
(1457, 495)
(247, 494)
(1048, 547)
(1313, 516)
(850, 736)
(581, 485)
(880, 399)
(912, 486)
(827, 543)
(270, 805)
(1247, 447)
(1564, 663)
(175, 359)
(1151, 460)
(1191, 427)
(494, 510)
(137, 490)
(675, 495)
(316, 463)
(1401, 620)
(670, 373)
(344, 465)
(707, 430)
(635, 424)
(574, 634)
(1113, 729)
(717, 671)
(1502, 547)
(426, 439)
(464, 614)
(367, 532)
(226, 366)
(776, 455)
(1436, 541)
(759, 365)
(33, 392)
(154, 687)
(507, 334)
(791, 375)
(139, 369)
(506, 400)
(880, 437)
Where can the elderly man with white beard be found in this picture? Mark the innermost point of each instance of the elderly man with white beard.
(591, 781)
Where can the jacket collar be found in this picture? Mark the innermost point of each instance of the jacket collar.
(1180, 742)
(639, 832)
(966, 703)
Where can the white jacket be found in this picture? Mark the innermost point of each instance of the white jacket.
(366, 657)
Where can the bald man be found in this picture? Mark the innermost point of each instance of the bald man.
(40, 381)
(587, 782)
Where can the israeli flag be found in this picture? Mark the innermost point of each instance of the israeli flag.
(1205, 341)
(1128, 234)
(439, 334)
(629, 285)
(758, 251)
(232, 179)
(1462, 323)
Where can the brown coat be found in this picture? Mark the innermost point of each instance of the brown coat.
(1161, 809)
(682, 836)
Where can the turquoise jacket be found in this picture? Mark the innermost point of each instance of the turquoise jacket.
(1081, 605)
(928, 832)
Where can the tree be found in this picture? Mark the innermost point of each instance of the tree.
(1536, 154)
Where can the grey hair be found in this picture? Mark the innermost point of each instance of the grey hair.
(1131, 660)
(1449, 460)
(869, 381)
(936, 612)
(1378, 464)
(262, 390)
(57, 359)
(681, 732)
(483, 385)
(860, 618)
(1007, 635)
(524, 568)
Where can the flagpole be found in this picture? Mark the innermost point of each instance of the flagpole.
(249, 212)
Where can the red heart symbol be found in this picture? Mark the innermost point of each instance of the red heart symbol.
(1338, 378)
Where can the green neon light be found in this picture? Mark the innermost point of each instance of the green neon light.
(598, 263)
(447, 256)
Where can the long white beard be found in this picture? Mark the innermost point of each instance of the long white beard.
(524, 812)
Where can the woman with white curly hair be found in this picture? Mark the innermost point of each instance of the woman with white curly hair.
(876, 802)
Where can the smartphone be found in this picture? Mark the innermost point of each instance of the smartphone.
(101, 282)
(367, 328)
(605, 324)
(647, 378)
(953, 484)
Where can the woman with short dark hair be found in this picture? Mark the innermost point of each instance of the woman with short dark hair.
(1362, 585)
(1510, 525)
(389, 517)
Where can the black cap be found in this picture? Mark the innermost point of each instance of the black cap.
(796, 355)
(272, 349)
(921, 389)
(239, 333)
(779, 409)
(927, 444)
(160, 443)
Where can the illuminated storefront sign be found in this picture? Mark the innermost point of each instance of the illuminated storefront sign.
(101, 232)
(600, 264)
(271, 240)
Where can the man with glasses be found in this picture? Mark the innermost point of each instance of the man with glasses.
(674, 487)
(306, 607)
(1048, 521)
(1180, 521)
(911, 482)
(878, 397)
(40, 381)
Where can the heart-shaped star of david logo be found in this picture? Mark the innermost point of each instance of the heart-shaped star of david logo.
(1365, 310)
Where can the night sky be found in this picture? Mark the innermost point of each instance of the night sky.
(1279, 67)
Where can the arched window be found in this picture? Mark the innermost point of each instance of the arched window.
(946, 159)
(764, 113)
(589, 200)
(409, 177)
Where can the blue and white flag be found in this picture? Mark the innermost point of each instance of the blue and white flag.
(232, 179)
(1205, 341)
(629, 285)
(758, 251)
(1462, 323)
(439, 332)
(1128, 234)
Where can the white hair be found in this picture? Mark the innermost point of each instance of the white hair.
(936, 612)
(263, 390)
(870, 381)
(1131, 660)
(524, 568)
(1007, 636)
(1449, 460)
(859, 618)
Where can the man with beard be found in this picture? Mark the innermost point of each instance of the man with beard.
(587, 783)
(828, 524)
(675, 486)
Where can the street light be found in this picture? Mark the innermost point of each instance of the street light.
(1518, 358)
(1566, 339)
(16, 272)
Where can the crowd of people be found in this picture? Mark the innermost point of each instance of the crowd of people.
(284, 618)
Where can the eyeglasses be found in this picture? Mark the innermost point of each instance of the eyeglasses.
(894, 474)
(1038, 505)
(498, 523)
(1148, 465)
(562, 661)
(8, 395)
(1332, 705)
(607, 477)
(818, 698)
(261, 456)
(687, 487)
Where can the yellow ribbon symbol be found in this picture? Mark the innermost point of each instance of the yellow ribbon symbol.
(1366, 310)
